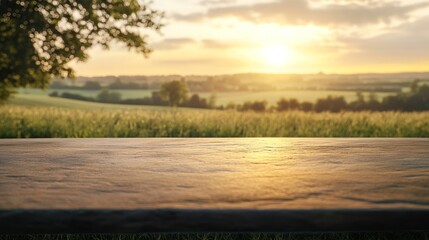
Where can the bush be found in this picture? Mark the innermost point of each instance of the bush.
(106, 96)
(76, 97)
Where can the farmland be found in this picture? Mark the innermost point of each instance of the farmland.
(223, 98)
(38, 115)
(29, 122)
(46, 101)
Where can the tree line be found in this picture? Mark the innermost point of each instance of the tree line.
(176, 93)
(93, 85)
(417, 99)
(211, 84)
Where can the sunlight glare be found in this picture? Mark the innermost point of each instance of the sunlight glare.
(276, 55)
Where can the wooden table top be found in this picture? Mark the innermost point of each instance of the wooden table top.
(323, 183)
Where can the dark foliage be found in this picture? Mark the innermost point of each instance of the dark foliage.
(90, 85)
(105, 96)
(196, 102)
(38, 39)
(76, 97)
(174, 92)
(415, 100)
(257, 106)
(330, 104)
(130, 85)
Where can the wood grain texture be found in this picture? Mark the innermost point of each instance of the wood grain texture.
(330, 183)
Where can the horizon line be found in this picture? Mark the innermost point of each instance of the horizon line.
(253, 73)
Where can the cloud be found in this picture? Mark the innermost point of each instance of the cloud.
(216, 2)
(177, 43)
(189, 62)
(210, 43)
(408, 43)
(298, 12)
(172, 43)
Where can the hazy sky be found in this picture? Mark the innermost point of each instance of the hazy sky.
(298, 36)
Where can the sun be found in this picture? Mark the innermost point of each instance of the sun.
(276, 55)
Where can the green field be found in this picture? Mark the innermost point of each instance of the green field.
(222, 98)
(273, 96)
(46, 101)
(87, 93)
(27, 122)
(28, 115)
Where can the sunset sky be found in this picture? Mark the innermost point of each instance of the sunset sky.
(277, 36)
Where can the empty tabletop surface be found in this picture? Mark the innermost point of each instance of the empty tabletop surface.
(215, 174)
(256, 173)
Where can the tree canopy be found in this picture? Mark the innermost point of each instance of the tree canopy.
(38, 38)
(175, 92)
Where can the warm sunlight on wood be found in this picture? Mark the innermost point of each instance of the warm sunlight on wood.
(276, 55)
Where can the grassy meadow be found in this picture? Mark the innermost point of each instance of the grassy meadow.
(222, 98)
(46, 101)
(36, 116)
(36, 122)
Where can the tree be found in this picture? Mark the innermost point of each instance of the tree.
(257, 106)
(39, 38)
(293, 104)
(156, 99)
(54, 94)
(415, 86)
(175, 92)
(330, 104)
(196, 102)
(92, 85)
(282, 105)
(359, 104)
(373, 104)
(109, 97)
(212, 100)
(306, 106)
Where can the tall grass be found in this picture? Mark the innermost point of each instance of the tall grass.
(30, 122)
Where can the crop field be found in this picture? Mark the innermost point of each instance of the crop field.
(30, 122)
(46, 101)
(141, 93)
(222, 98)
(273, 96)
